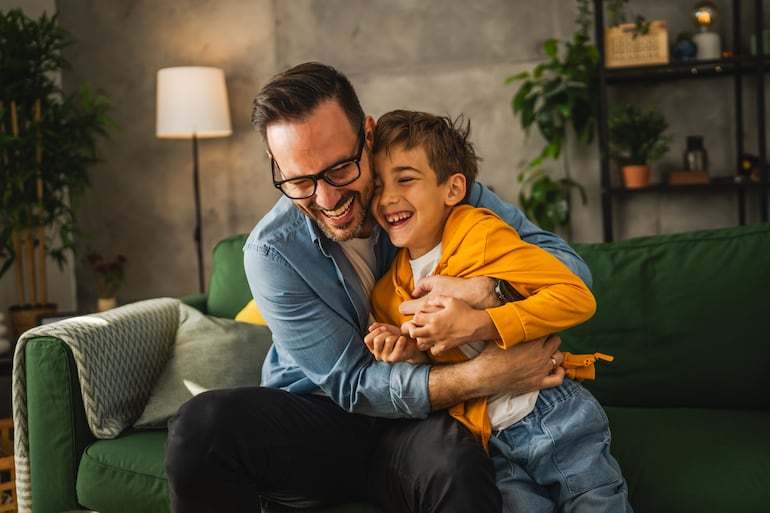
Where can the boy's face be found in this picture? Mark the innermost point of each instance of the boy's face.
(408, 201)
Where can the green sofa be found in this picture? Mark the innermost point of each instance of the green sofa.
(685, 315)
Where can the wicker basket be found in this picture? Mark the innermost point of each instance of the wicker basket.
(624, 47)
(7, 468)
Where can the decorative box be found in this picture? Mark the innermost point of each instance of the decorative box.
(623, 46)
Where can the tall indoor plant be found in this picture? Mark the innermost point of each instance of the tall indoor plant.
(47, 143)
(557, 94)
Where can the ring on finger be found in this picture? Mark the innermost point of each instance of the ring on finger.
(553, 362)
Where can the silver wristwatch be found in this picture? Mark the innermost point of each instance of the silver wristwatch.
(505, 292)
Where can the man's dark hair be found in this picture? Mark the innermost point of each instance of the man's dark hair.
(446, 142)
(294, 94)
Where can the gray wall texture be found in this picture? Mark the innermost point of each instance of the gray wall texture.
(444, 56)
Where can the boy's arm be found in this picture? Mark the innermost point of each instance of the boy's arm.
(555, 298)
(482, 196)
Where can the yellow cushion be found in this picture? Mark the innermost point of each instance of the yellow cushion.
(250, 313)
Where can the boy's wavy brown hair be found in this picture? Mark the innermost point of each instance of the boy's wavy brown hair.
(446, 141)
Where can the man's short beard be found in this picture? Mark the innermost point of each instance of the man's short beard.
(317, 215)
(348, 235)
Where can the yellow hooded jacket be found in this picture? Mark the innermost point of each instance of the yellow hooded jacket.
(476, 242)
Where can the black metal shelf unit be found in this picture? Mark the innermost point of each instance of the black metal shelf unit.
(737, 66)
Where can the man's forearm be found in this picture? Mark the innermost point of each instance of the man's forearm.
(523, 368)
(452, 384)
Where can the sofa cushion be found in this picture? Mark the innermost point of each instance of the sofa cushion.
(688, 459)
(228, 289)
(130, 470)
(251, 314)
(126, 470)
(209, 353)
(698, 299)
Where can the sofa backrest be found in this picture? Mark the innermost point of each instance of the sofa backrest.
(228, 290)
(687, 317)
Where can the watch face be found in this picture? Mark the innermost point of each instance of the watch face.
(506, 292)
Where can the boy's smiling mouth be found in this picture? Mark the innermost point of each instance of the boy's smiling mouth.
(398, 218)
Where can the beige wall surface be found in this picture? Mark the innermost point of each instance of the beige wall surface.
(444, 56)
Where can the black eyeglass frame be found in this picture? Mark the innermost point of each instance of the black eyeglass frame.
(322, 175)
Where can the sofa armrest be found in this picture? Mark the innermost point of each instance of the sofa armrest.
(79, 379)
(57, 429)
(197, 301)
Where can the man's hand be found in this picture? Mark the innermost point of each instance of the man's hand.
(523, 368)
(388, 344)
(478, 292)
(536, 366)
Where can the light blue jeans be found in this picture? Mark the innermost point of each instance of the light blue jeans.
(558, 458)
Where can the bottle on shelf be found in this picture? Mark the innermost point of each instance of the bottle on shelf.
(695, 156)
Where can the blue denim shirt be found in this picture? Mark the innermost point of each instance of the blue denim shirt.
(313, 302)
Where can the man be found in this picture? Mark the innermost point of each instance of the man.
(331, 424)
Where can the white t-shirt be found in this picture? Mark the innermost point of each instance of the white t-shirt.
(360, 253)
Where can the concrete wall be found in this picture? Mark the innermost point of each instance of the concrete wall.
(445, 56)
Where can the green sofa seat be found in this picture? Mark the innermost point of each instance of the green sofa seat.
(693, 459)
(685, 315)
(125, 471)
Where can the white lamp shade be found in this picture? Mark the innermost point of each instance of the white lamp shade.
(192, 100)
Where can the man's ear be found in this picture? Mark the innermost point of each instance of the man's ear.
(455, 189)
(369, 124)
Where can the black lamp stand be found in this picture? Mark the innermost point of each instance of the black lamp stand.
(197, 232)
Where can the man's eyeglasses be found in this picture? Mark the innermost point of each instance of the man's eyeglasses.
(340, 174)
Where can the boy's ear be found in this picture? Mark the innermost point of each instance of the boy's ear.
(455, 189)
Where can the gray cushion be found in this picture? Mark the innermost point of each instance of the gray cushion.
(209, 353)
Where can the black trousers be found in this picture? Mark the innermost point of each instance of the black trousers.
(229, 449)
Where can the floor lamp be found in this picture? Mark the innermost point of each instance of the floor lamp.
(192, 104)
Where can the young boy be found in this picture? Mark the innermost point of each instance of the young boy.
(550, 448)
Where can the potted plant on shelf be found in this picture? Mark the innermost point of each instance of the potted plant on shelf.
(637, 138)
(47, 142)
(558, 94)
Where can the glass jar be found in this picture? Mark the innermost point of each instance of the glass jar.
(695, 156)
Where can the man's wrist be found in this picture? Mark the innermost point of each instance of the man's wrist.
(450, 384)
(490, 299)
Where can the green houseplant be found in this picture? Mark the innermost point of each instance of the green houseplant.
(558, 94)
(637, 138)
(47, 143)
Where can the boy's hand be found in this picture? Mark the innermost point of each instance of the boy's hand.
(388, 344)
(443, 322)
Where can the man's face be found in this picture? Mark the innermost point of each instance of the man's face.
(321, 142)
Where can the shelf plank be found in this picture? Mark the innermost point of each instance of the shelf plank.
(722, 183)
(685, 70)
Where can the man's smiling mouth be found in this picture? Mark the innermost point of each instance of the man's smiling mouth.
(339, 211)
